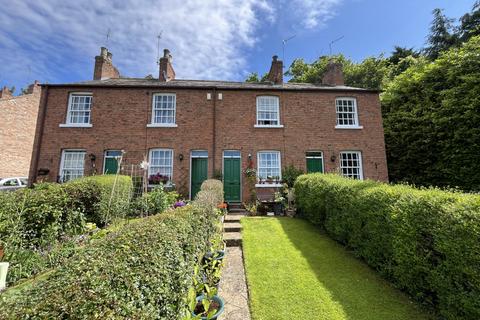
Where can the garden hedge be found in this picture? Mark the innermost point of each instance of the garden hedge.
(426, 241)
(140, 270)
(40, 226)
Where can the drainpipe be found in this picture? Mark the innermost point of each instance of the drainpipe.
(214, 144)
(38, 137)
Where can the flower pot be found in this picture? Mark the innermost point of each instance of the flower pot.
(3, 274)
(220, 307)
(277, 208)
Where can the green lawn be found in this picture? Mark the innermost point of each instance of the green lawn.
(296, 272)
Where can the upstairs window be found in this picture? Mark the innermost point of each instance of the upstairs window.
(351, 164)
(268, 113)
(269, 166)
(79, 109)
(161, 165)
(347, 115)
(164, 106)
(72, 165)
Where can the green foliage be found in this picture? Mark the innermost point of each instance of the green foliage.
(39, 227)
(290, 173)
(153, 202)
(425, 241)
(253, 77)
(211, 191)
(141, 270)
(106, 197)
(431, 114)
(441, 37)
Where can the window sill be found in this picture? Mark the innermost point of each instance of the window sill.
(75, 125)
(349, 127)
(162, 125)
(268, 185)
(268, 126)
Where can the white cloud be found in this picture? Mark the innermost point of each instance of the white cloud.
(56, 40)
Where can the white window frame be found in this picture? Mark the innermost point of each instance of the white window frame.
(356, 125)
(269, 185)
(154, 124)
(258, 124)
(360, 164)
(62, 163)
(150, 163)
(68, 122)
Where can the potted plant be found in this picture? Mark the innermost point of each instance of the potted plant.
(208, 306)
(269, 179)
(158, 178)
(278, 203)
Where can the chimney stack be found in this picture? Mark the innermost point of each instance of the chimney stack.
(333, 75)
(5, 93)
(166, 69)
(34, 87)
(104, 68)
(275, 75)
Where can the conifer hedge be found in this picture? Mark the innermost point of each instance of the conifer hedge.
(426, 241)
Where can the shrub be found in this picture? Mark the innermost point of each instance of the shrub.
(38, 226)
(104, 198)
(214, 189)
(426, 241)
(290, 173)
(153, 202)
(141, 270)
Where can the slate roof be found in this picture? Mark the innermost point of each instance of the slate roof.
(206, 84)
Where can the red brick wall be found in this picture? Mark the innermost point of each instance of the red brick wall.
(17, 131)
(119, 118)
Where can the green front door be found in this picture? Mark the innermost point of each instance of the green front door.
(314, 162)
(111, 161)
(231, 177)
(199, 174)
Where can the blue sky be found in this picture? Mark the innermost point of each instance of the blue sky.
(55, 41)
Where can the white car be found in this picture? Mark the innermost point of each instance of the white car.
(13, 183)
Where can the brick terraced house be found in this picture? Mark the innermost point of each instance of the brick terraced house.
(191, 129)
(18, 118)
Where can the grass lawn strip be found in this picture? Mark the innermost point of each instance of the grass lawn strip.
(296, 272)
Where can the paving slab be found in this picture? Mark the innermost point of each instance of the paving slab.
(232, 218)
(232, 239)
(233, 286)
(232, 227)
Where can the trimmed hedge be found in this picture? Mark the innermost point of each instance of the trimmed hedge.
(140, 270)
(40, 226)
(211, 191)
(104, 198)
(426, 241)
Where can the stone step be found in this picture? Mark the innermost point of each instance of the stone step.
(232, 227)
(235, 205)
(236, 209)
(238, 213)
(232, 239)
(232, 218)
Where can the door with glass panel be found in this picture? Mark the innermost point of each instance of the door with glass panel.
(231, 176)
(314, 162)
(112, 158)
(199, 162)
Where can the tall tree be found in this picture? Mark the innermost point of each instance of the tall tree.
(431, 118)
(441, 36)
(470, 23)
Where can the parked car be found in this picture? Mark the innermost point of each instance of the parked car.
(13, 183)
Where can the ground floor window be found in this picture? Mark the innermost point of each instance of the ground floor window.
(161, 166)
(351, 164)
(314, 161)
(72, 165)
(269, 166)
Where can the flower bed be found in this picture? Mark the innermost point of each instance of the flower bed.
(425, 241)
